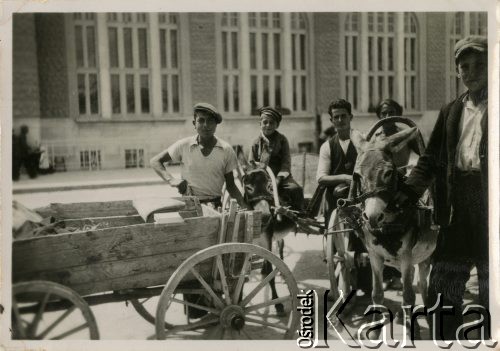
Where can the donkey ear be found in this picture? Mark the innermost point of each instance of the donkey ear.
(399, 140)
(358, 140)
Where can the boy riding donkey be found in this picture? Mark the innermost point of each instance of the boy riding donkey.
(271, 148)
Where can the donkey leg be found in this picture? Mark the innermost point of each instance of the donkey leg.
(268, 268)
(408, 273)
(377, 263)
(281, 245)
(424, 268)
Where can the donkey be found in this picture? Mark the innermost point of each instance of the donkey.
(260, 195)
(392, 234)
(244, 165)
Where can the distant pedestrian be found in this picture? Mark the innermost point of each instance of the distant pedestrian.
(24, 155)
(44, 165)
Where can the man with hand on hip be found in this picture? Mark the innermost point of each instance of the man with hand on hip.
(207, 161)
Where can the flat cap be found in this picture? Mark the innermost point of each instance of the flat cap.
(206, 107)
(271, 112)
(474, 42)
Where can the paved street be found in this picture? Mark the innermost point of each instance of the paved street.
(304, 255)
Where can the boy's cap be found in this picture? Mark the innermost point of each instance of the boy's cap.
(206, 107)
(474, 42)
(271, 112)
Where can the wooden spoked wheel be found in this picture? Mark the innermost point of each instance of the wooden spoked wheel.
(47, 310)
(237, 304)
(146, 307)
(340, 261)
(140, 308)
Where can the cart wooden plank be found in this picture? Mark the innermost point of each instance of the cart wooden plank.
(103, 222)
(100, 209)
(119, 275)
(110, 244)
(118, 258)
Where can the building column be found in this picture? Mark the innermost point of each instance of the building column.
(364, 98)
(400, 59)
(104, 75)
(287, 61)
(186, 107)
(245, 88)
(154, 41)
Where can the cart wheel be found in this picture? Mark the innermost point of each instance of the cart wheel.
(143, 306)
(44, 310)
(340, 261)
(236, 305)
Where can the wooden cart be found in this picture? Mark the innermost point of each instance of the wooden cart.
(205, 269)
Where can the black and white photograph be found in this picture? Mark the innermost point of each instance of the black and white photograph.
(320, 177)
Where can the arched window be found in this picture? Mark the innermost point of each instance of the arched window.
(299, 62)
(264, 60)
(351, 49)
(169, 62)
(411, 64)
(129, 61)
(266, 67)
(135, 71)
(380, 59)
(230, 62)
(460, 25)
(86, 63)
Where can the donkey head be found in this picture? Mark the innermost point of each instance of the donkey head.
(375, 174)
(258, 191)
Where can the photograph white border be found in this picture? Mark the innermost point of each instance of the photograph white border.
(8, 7)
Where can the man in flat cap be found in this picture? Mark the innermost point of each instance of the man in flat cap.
(207, 161)
(337, 157)
(272, 149)
(456, 159)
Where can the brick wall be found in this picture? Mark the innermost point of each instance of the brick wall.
(52, 63)
(327, 58)
(25, 94)
(436, 60)
(203, 57)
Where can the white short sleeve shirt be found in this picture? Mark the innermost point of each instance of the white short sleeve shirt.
(204, 174)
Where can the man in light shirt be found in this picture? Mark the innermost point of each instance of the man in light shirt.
(337, 157)
(456, 158)
(207, 161)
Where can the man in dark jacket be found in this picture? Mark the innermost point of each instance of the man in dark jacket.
(456, 158)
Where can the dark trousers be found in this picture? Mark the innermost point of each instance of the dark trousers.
(30, 162)
(292, 193)
(461, 246)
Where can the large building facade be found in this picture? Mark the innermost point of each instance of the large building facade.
(109, 90)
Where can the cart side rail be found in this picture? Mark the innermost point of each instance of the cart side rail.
(127, 257)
